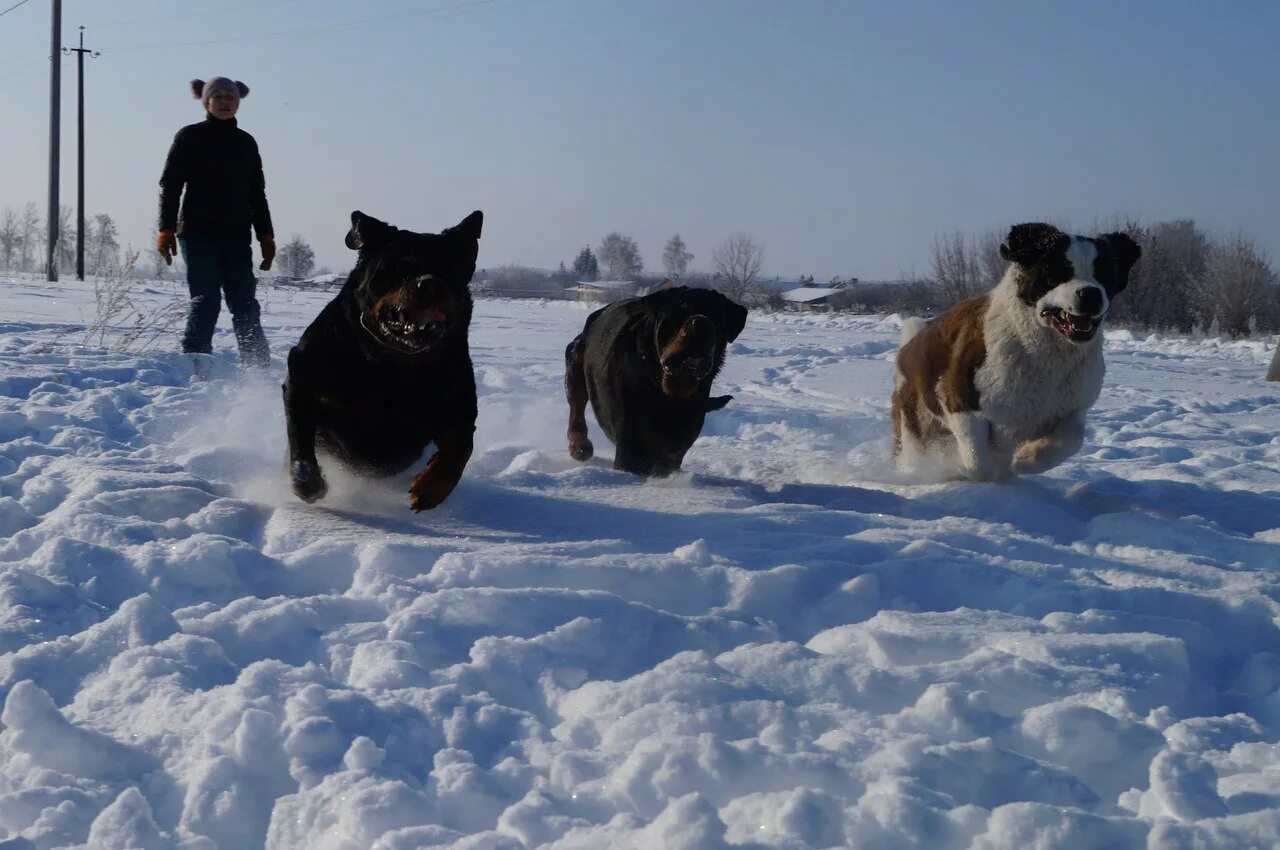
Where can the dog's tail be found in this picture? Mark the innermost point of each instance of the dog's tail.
(911, 326)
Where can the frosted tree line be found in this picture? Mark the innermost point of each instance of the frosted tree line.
(24, 241)
(24, 245)
(1188, 281)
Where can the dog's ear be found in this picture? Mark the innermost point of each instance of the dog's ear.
(470, 226)
(735, 316)
(1124, 253)
(1027, 244)
(367, 232)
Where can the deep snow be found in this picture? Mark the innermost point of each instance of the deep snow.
(786, 646)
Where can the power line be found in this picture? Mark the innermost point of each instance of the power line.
(22, 68)
(193, 15)
(11, 8)
(324, 28)
(306, 30)
(27, 67)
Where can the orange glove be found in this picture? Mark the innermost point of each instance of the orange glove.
(167, 246)
(268, 245)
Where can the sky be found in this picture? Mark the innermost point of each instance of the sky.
(842, 136)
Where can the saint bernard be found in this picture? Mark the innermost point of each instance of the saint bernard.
(1000, 384)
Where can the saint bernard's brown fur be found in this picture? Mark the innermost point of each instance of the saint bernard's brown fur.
(1000, 384)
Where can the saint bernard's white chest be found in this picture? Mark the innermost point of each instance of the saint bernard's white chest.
(1032, 378)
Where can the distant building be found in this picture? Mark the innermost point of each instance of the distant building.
(811, 298)
(602, 291)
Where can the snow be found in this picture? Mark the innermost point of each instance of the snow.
(786, 646)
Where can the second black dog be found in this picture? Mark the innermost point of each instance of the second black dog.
(385, 369)
(646, 364)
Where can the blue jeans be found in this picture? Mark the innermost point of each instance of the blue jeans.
(219, 266)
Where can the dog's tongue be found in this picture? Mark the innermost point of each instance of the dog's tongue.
(425, 315)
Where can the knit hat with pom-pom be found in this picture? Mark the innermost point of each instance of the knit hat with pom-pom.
(202, 91)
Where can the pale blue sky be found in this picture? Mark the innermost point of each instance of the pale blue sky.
(841, 135)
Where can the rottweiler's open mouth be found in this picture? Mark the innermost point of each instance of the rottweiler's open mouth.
(689, 364)
(410, 329)
(684, 371)
(1073, 326)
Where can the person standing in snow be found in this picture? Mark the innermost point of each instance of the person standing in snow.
(220, 167)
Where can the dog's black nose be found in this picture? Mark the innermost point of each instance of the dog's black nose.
(1089, 301)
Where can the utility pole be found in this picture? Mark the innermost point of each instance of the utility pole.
(80, 51)
(55, 107)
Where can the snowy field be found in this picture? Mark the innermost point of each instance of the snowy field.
(783, 647)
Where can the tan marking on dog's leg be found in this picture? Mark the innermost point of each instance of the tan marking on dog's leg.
(1044, 453)
(575, 387)
(433, 484)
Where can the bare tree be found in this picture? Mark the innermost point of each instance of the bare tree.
(991, 266)
(676, 257)
(10, 236)
(296, 258)
(31, 236)
(103, 252)
(1160, 293)
(1236, 293)
(956, 271)
(737, 262)
(66, 239)
(620, 255)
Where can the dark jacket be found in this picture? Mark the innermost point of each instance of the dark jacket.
(225, 191)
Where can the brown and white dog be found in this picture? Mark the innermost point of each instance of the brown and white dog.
(1000, 384)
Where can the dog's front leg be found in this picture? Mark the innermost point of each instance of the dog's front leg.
(433, 484)
(575, 389)
(977, 458)
(1044, 453)
(632, 452)
(300, 407)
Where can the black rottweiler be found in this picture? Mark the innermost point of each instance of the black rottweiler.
(385, 369)
(647, 364)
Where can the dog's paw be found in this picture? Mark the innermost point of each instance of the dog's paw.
(1035, 456)
(307, 482)
(580, 448)
(429, 489)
